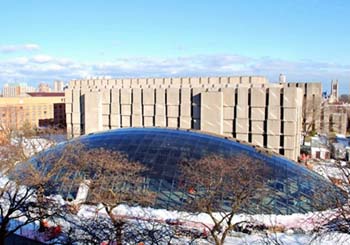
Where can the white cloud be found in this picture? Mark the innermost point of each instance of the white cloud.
(20, 47)
(42, 58)
(47, 68)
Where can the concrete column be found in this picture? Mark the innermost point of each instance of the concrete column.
(212, 112)
(93, 121)
(136, 117)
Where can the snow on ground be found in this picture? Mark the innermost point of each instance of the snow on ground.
(298, 226)
(329, 169)
(32, 146)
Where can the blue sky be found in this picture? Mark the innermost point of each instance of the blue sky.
(46, 40)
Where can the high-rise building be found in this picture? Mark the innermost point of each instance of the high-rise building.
(44, 88)
(282, 78)
(58, 86)
(334, 92)
(16, 89)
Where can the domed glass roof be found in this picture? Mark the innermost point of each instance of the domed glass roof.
(294, 188)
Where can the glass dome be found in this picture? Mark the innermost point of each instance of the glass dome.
(294, 188)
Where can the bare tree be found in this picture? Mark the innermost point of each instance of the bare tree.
(112, 180)
(222, 187)
(311, 116)
(337, 220)
(22, 188)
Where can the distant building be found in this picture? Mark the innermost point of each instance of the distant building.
(15, 111)
(334, 92)
(282, 78)
(44, 88)
(16, 89)
(312, 100)
(335, 118)
(58, 86)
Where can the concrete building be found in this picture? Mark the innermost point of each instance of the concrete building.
(334, 92)
(16, 89)
(335, 118)
(312, 101)
(44, 88)
(16, 111)
(248, 108)
(282, 78)
(58, 86)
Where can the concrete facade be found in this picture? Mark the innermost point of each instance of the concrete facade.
(312, 101)
(335, 118)
(246, 108)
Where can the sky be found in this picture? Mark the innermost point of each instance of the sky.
(307, 40)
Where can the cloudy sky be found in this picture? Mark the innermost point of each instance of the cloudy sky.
(308, 40)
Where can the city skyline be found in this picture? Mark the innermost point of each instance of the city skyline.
(46, 41)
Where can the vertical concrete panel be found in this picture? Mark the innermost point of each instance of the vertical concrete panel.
(106, 96)
(148, 122)
(148, 96)
(126, 110)
(274, 112)
(242, 137)
(242, 96)
(115, 101)
(292, 97)
(115, 121)
(93, 112)
(228, 126)
(148, 110)
(173, 111)
(258, 97)
(172, 122)
(125, 95)
(257, 113)
(273, 127)
(274, 96)
(185, 122)
(136, 102)
(273, 141)
(160, 110)
(257, 127)
(242, 126)
(160, 121)
(229, 113)
(136, 120)
(160, 96)
(126, 121)
(212, 112)
(229, 96)
(173, 96)
(76, 101)
(68, 96)
(258, 139)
